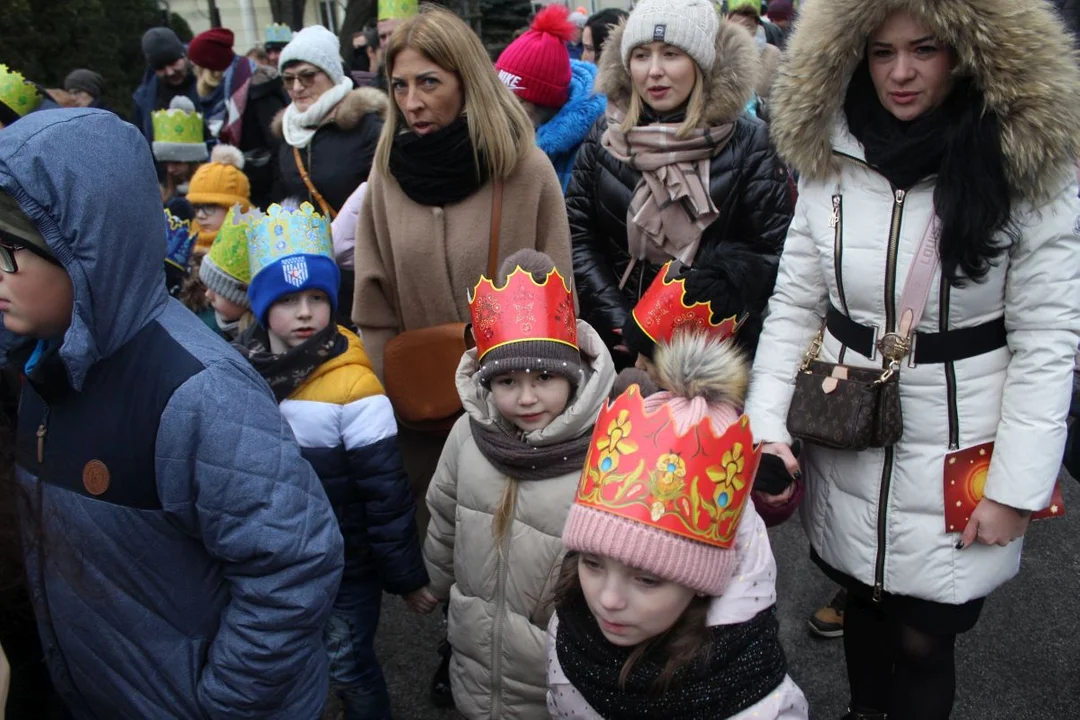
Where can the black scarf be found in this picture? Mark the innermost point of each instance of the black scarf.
(440, 168)
(515, 458)
(904, 152)
(743, 665)
(288, 371)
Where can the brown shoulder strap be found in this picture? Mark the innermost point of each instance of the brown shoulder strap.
(323, 205)
(496, 221)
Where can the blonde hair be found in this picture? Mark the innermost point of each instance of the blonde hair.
(500, 522)
(695, 107)
(500, 130)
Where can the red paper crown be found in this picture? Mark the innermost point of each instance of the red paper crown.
(521, 310)
(662, 311)
(693, 484)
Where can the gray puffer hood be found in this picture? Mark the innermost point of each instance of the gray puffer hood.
(86, 179)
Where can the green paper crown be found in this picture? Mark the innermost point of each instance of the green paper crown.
(283, 232)
(177, 126)
(230, 249)
(21, 96)
(397, 9)
(279, 33)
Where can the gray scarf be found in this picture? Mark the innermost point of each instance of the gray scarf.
(515, 458)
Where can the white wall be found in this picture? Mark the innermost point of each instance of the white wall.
(197, 14)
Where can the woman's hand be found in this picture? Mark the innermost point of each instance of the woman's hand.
(994, 524)
(783, 451)
(778, 500)
(422, 601)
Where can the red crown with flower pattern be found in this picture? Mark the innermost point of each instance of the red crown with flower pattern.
(693, 484)
(521, 310)
(662, 311)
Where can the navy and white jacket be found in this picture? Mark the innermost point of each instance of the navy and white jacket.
(182, 556)
(346, 429)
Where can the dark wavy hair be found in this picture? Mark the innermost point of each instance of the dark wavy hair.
(972, 194)
(600, 25)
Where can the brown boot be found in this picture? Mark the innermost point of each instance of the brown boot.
(828, 622)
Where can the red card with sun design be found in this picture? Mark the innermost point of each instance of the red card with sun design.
(965, 479)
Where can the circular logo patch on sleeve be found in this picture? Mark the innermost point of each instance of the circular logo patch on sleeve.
(95, 477)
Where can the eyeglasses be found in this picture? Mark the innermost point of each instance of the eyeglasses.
(306, 79)
(7, 257)
(205, 209)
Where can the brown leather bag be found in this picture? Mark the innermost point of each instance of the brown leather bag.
(419, 366)
(323, 205)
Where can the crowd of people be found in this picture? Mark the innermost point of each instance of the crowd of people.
(544, 342)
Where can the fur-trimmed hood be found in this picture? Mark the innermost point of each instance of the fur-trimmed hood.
(1017, 51)
(729, 85)
(696, 365)
(565, 131)
(349, 112)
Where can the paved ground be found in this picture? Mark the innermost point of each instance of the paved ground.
(1022, 661)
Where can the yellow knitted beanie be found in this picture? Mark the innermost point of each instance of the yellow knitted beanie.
(221, 181)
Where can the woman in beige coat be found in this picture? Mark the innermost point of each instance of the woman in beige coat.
(500, 497)
(452, 132)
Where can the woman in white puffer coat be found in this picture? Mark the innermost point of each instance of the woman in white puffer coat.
(892, 111)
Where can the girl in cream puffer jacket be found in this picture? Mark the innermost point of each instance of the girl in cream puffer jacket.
(494, 544)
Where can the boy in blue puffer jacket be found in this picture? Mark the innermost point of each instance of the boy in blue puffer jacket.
(556, 92)
(326, 388)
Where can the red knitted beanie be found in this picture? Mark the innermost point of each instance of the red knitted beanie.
(212, 49)
(536, 66)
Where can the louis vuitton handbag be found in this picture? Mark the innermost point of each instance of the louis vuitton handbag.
(853, 408)
(419, 366)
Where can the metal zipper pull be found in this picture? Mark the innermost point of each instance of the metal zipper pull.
(834, 221)
(42, 431)
(900, 196)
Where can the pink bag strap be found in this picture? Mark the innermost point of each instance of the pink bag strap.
(920, 274)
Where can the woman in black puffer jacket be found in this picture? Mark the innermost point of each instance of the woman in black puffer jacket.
(686, 76)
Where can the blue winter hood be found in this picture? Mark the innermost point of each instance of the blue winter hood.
(86, 179)
(568, 128)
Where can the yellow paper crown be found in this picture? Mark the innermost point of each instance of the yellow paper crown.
(177, 126)
(397, 9)
(21, 96)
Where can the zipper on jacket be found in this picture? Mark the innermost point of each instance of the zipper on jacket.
(42, 432)
(890, 261)
(837, 223)
(890, 326)
(950, 368)
(500, 611)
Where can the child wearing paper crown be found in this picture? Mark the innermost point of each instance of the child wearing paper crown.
(343, 421)
(722, 296)
(225, 272)
(531, 390)
(665, 606)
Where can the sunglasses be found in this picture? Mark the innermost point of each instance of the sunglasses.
(7, 256)
(306, 78)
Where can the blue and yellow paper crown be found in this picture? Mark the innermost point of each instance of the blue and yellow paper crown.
(290, 250)
(21, 96)
(278, 34)
(179, 239)
(287, 231)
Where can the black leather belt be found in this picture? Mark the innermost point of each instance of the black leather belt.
(930, 348)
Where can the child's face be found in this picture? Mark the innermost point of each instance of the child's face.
(530, 400)
(648, 367)
(210, 218)
(227, 309)
(630, 605)
(36, 299)
(296, 317)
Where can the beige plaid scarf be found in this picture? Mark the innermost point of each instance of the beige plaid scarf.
(671, 205)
